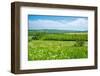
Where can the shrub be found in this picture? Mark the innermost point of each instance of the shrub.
(79, 43)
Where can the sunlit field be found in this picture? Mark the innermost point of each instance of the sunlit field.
(53, 46)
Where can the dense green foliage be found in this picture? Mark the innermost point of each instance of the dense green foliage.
(52, 46)
(58, 36)
(79, 43)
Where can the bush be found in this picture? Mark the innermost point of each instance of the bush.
(38, 35)
(79, 43)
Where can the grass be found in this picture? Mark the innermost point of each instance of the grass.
(52, 50)
(58, 36)
(53, 46)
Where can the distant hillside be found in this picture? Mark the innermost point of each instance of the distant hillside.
(55, 30)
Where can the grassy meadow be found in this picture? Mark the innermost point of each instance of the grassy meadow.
(57, 44)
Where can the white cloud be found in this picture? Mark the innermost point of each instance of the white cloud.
(78, 24)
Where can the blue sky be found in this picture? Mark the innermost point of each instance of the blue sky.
(58, 22)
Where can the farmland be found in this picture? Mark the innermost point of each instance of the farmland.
(57, 44)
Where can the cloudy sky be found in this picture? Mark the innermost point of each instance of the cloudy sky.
(57, 22)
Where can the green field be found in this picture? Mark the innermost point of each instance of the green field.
(53, 46)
